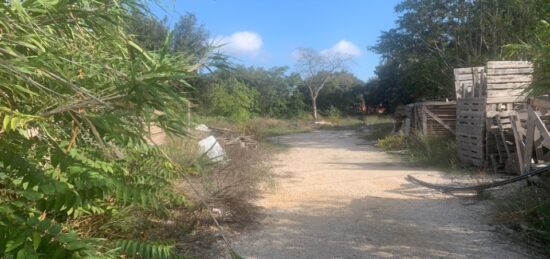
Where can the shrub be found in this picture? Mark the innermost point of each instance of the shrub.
(429, 150)
(233, 99)
(433, 150)
(393, 142)
(334, 115)
(89, 93)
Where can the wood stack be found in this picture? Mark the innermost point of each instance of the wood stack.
(429, 118)
(498, 89)
(470, 130)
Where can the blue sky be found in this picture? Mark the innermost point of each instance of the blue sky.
(266, 32)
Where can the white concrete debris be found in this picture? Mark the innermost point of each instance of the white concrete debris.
(211, 148)
(202, 127)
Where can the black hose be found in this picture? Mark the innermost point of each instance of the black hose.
(447, 188)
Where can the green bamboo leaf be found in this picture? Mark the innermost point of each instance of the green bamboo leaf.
(6, 122)
(14, 123)
(36, 239)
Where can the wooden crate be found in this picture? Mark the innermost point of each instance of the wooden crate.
(506, 84)
(498, 89)
(428, 118)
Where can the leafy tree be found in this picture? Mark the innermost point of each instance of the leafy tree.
(233, 99)
(77, 97)
(273, 86)
(190, 37)
(341, 93)
(433, 37)
(148, 31)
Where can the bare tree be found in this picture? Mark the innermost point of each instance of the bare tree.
(317, 69)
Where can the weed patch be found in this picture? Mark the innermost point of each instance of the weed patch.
(434, 150)
(526, 211)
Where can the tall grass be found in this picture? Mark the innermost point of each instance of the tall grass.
(433, 150)
(377, 127)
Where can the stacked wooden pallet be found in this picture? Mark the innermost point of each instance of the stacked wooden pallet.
(498, 89)
(470, 130)
(507, 81)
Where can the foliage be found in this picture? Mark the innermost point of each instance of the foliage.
(526, 209)
(148, 31)
(272, 93)
(278, 95)
(393, 142)
(233, 99)
(433, 150)
(537, 50)
(378, 127)
(77, 96)
(341, 92)
(190, 37)
(434, 36)
(334, 115)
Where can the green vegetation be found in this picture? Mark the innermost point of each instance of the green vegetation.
(525, 210)
(82, 82)
(378, 127)
(433, 150)
(536, 49)
(77, 96)
(434, 37)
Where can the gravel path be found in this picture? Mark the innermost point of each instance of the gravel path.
(338, 199)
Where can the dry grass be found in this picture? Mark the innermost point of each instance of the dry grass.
(228, 188)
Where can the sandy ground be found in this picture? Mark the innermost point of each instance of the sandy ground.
(338, 199)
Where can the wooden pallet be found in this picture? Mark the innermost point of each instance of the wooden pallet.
(430, 118)
(485, 93)
(470, 128)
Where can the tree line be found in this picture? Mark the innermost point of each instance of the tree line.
(434, 36)
(239, 93)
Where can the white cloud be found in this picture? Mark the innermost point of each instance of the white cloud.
(344, 48)
(240, 43)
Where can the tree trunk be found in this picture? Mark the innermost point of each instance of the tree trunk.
(314, 106)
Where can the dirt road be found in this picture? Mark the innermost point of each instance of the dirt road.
(338, 199)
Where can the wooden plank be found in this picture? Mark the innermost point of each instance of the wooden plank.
(529, 141)
(463, 77)
(509, 99)
(539, 154)
(509, 64)
(506, 93)
(495, 79)
(501, 133)
(424, 121)
(466, 70)
(508, 85)
(520, 146)
(509, 71)
(542, 129)
(449, 103)
(472, 100)
(436, 118)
